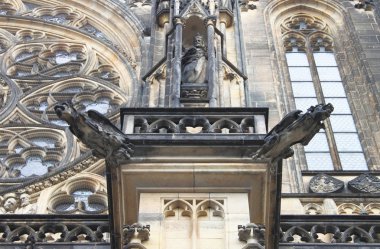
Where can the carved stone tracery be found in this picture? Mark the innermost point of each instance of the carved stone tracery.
(30, 152)
(85, 194)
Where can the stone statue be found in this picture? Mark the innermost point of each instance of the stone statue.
(25, 206)
(3, 92)
(97, 133)
(10, 204)
(292, 129)
(194, 62)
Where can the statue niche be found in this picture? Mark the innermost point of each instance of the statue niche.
(194, 62)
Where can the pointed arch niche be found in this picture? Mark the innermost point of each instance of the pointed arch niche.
(193, 220)
(318, 64)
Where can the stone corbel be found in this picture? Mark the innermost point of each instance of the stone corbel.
(134, 235)
(253, 235)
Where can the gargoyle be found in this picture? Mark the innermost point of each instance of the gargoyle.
(97, 133)
(292, 129)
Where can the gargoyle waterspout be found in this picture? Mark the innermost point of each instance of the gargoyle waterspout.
(292, 129)
(97, 133)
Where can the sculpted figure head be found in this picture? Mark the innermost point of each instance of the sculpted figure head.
(10, 203)
(198, 41)
(65, 112)
(321, 111)
(25, 200)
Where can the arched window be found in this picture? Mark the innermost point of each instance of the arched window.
(315, 78)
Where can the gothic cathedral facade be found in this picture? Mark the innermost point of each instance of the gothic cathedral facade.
(194, 86)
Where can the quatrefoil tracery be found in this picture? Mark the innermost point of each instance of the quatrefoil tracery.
(30, 152)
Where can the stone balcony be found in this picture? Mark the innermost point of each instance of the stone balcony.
(236, 132)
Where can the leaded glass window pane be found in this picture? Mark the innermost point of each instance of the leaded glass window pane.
(300, 74)
(64, 207)
(62, 57)
(318, 144)
(303, 89)
(34, 166)
(340, 105)
(347, 142)
(305, 103)
(82, 195)
(95, 207)
(333, 89)
(319, 161)
(59, 122)
(43, 142)
(297, 59)
(101, 105)
(353, 161)
(72, 89)
(324, 59)
(43, 106)
(328, 74)
(342, 123)
(18, 148)
(23, 56)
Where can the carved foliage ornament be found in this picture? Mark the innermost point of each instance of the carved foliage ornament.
(323, 183)
(365, 183)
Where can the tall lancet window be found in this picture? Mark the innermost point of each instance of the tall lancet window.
(315, 78)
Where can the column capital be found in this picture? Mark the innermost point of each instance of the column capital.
(177, 20)
(210, 20)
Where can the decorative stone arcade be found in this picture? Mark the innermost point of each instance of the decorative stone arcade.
(192, 183)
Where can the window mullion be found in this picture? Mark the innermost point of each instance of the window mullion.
(319, 93)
